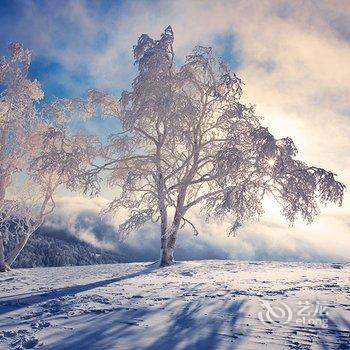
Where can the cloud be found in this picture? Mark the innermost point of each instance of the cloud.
(78, 219)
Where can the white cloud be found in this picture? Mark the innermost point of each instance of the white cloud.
(265, 240)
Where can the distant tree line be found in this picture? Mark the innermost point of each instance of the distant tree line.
(44, 251)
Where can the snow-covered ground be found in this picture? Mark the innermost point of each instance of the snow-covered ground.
(191, 305)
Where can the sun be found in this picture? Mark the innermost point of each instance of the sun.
(271, 162)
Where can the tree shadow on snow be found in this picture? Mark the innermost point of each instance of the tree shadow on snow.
(191, 320)
(191, 325)
(16, 302)
(336, 335)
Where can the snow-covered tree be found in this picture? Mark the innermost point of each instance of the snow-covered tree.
(188, 141)
(38, 154)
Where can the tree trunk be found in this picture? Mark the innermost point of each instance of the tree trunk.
(163, 238)
(18, 248)
(3, 177)
(2, 186)
(168, 245)
(3, 266)
(3, 134)
(173, 236)
(166, 256)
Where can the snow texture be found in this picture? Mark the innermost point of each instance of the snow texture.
(190, 305)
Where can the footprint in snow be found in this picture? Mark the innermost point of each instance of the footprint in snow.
(28, 342)
(21, 339)
(40, 324)
(187, 273)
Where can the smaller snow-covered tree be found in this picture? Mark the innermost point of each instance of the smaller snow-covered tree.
(188, 141)
(37, 154)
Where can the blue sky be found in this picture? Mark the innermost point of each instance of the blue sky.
(293, 57)
(19, 19)
(65, 36)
